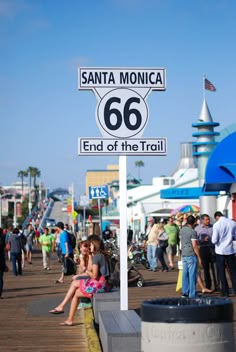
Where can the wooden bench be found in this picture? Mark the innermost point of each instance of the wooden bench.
(120, 331)
(105, 301)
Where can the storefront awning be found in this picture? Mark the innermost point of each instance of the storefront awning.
(221, 167)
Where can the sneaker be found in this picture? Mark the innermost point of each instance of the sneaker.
(48, 269)
(184, 295)
(84, 305)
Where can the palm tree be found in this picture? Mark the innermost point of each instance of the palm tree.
(22, 174)
(33, 172)
(139, 163)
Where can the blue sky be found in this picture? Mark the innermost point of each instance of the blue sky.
(42, 43)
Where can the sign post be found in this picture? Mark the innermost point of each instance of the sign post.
(122, 115)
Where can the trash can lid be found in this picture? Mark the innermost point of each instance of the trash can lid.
(187, 310)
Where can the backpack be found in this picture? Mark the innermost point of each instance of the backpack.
(72, 239)
(69, 266)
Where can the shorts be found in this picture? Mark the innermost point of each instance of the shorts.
(171, 249)
(29, 247)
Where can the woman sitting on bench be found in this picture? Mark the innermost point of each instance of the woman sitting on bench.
(94, 283)
(85, 263)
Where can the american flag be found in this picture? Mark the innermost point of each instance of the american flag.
(209, 86)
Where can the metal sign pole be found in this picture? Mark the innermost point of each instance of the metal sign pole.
(100, 220)
(84, 231)
(123, 234)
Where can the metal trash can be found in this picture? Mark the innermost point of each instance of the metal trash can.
(187, 325)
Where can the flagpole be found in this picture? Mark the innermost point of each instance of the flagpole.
(203, 86)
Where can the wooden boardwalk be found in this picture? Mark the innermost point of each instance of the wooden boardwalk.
(26, 325)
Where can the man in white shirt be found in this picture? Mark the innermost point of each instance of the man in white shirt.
(224, 233)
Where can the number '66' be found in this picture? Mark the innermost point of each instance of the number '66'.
(126, 117)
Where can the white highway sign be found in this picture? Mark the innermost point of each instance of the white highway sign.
(122, 111)
(105, 146)
(96, 77)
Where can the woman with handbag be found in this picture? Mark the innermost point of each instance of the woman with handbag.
(162, 243)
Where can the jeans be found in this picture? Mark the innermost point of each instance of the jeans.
(190, 273)
(222, 261)
(152, 256)
(160, 256)
(16, 258)
(208, 261)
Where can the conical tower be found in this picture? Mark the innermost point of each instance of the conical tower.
(205, 139)
(204, 146)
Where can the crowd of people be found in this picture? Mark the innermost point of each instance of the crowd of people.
(201, 246)
(91, 268)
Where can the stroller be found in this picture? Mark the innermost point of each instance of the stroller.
(135, 278)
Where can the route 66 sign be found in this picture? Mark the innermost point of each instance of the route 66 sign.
(121, 111)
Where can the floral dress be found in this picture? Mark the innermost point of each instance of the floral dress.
(90, 286)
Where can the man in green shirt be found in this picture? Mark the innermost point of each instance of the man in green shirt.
(172, 231)
(47, 242)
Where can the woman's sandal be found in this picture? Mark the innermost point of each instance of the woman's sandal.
(56, 311)
(66, 324)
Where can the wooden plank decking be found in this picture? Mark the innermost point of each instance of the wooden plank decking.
(26, 325)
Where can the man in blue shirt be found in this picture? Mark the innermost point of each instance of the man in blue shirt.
(66, 248)
(224, 233)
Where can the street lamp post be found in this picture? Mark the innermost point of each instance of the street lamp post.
(14, 214)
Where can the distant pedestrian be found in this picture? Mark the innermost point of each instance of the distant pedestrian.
(56, 234)
(2, 260)
(162, 243)
(8, 234)
(130, 234)
(190, 258)
(224, 233)
(66, 248)
(207, 250)
(151, 236)
(30, 235)
(16, 251)
(172, 231)
(37, 235)
(47, 242)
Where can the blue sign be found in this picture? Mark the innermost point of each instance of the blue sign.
(184, 193)
(98, 192)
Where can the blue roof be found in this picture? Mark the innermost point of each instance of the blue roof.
(221, 167)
